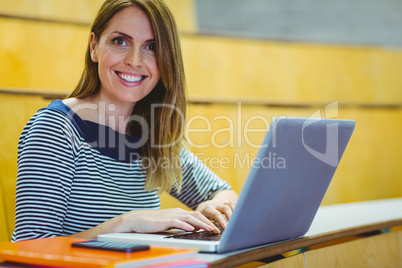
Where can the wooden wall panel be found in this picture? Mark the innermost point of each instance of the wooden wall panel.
(4, 229)
(368, 170)
(400, 241)
(48, 55)
(370, 167)
(73, 11)
(41, 55)
(83, 12)
(291, 72)
(185, 15)
(15, 112)
(375, 251)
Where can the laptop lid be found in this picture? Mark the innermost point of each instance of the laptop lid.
(287, 181)
(285, 186)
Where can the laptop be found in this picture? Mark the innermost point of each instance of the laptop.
(283, 191)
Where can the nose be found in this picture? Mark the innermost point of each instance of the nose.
(134, 57)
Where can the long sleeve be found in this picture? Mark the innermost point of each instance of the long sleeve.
(45, 174)
(199, 182)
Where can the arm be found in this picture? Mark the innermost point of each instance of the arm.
(45, 173)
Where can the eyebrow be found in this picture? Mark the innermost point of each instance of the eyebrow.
(131, 38)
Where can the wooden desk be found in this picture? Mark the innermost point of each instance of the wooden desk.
(342, 235)
(332, 223)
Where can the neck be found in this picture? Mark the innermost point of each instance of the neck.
(115, 115)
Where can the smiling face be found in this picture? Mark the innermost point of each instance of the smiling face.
(126, 57)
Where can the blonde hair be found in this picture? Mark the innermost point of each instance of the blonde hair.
(167, 130)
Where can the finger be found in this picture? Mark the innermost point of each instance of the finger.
(226, 210)
(179, 224)
(231, 204)
(216, 215)
(199, 221)
(220, 219)
(211, 226)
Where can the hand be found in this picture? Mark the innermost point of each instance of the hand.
(217, 210)
(151, 221)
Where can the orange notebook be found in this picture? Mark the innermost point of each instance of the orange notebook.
(57, 251)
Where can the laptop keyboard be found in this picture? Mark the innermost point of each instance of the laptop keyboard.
(202, 235)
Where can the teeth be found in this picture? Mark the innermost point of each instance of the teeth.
(130, 78)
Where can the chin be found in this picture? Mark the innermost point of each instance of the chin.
(132, 99)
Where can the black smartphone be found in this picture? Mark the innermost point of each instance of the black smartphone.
(114, 246)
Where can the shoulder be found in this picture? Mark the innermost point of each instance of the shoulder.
(186, 156)
(51, 116)
(55, 120)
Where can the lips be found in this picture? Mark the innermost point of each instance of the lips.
(131, 78)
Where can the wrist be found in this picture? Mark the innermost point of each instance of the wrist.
(120, 224)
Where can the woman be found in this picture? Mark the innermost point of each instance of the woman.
(96, 162)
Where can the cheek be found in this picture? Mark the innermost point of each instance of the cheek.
(151, 63)
(107, 57)
(155, 70)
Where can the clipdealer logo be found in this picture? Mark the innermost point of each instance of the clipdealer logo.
(330, 156)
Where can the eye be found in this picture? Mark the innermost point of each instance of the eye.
(119, 41)
(151, 47)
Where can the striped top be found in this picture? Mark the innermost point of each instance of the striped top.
(75, 174)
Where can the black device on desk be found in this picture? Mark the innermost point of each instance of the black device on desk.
(113, 246)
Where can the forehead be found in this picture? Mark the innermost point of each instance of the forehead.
(130, 20)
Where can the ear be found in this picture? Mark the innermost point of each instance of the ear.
(93, 47)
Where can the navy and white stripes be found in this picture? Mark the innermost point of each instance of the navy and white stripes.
(65, 185)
